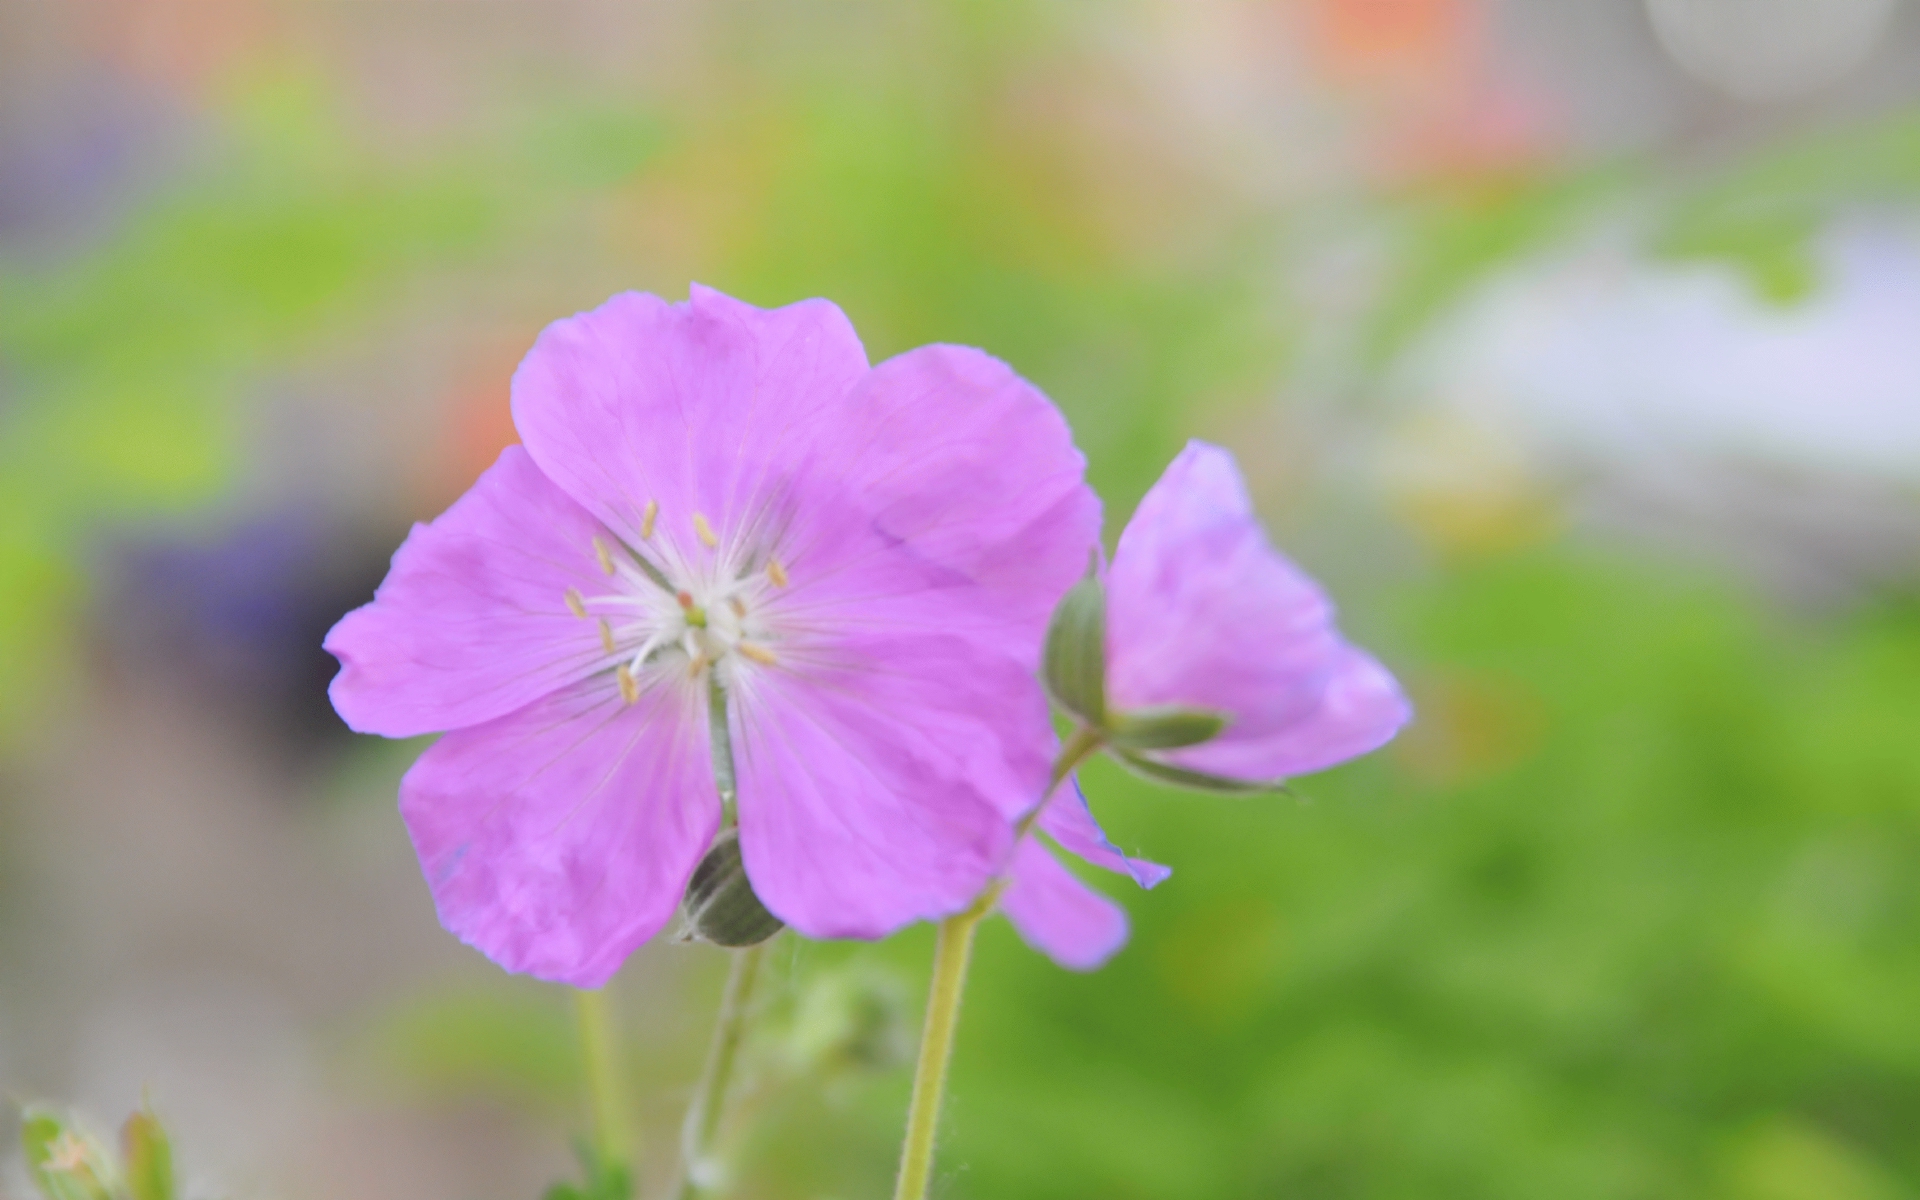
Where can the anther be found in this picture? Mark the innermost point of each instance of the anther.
(738, 606)
(704, 531)
(604, 555)
(606, 636)
(759, 654)
(629, 688)
(575, 604)
(685, 600)
(697, 665)
(647, 517)
(776, 572)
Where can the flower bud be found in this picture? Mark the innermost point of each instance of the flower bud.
(65, 1161)
(1075, 661)
(720, 906)
(148, 1158)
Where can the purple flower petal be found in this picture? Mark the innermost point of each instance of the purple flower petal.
(1068, 821)
(700, 407)
(1057, 914)
(472, 622)
(877, 782)
(1202, 611)
(557, 839)
(971, 472)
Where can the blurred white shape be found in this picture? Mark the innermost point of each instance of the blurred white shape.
(1612, 361)
(1675, 398)
(1769, 49)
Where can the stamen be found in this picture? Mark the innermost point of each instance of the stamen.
(647, 518)
(776, 572)
(575, 604)
(704, 531)
(696, 666)
(606, 636)
(629, 689)
(759, 654)
(738, 606)
(604, 555)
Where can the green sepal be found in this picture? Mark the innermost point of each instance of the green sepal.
(1198, 781)
(148, 1158)
(64, 1162)
(1075, 663)
(1166, 727)
(720, 905)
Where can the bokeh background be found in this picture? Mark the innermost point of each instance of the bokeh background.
(1575, 345)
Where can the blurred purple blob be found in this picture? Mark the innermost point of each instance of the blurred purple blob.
(235, 613)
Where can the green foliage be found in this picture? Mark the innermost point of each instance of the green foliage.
(602, 1180)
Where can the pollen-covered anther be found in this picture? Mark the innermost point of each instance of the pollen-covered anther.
(647, 517)
(776, 572)
(605, 555)
(704, 532)
(629, 687)
(575, 604)
(759, 654)
(738, 606)
(606, 636)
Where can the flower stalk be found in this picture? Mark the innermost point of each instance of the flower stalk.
(606, 1099)
(952, 953)
(699, 1168)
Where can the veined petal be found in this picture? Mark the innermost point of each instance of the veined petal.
(472, 621)
(879, 784)
(1067, 820)
(1057, 914)
(953, 499)
(557, 839)
(703, 407)
(1202, 611)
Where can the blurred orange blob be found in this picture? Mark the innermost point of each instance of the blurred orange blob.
(189, 46)
(1380, 41)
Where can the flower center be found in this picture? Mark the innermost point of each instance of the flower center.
(677, 611)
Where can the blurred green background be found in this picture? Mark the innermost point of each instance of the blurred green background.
(1577, 347)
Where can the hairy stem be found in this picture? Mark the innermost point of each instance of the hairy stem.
(601, 1055)
(952, 951)
(697, 1168)
(950, 955)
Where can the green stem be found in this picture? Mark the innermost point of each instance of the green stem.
(601, 1055)
(952, 951)
(710, 1094)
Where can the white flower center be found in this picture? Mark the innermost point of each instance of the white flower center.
(683, 611)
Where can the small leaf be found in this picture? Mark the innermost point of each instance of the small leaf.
(64, 1161)
(1075, 664)
(1164, 728)
(1198, 781)
(149, 1157)
(720, 905)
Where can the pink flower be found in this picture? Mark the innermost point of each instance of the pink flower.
(723, 510)
(1203, 613)
(1210, 661)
